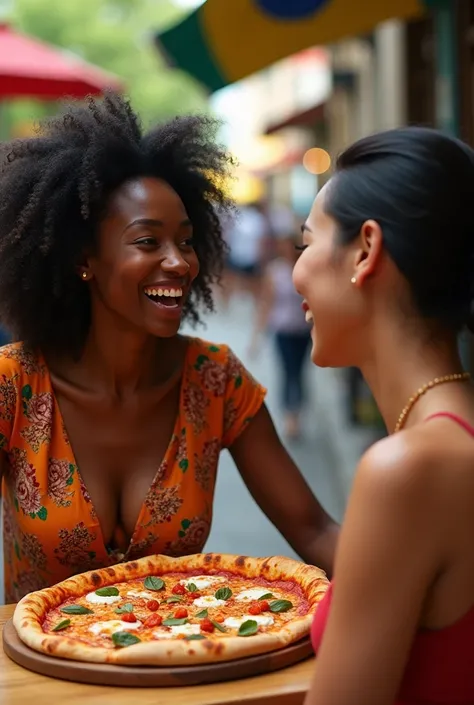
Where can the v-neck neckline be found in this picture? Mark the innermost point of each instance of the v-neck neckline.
(82, 485)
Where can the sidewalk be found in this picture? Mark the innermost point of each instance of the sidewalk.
(344, 443)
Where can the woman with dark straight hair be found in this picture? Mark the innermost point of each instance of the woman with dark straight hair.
(387, 277)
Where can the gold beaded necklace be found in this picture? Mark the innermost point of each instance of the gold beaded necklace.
(458, 377)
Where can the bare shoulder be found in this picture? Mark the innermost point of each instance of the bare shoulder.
(402, 470)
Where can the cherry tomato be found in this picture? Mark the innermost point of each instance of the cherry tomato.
(207, 626)
(152, 605)
(255, 608)
(181, 613)
(219, 618)
(129, 617)
(153, 620)
(264, 605)
(178, 589)
(194, 595)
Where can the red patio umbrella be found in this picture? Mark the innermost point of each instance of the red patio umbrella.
(32, 69)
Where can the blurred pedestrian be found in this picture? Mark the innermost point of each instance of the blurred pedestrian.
(246, 238)
(279, 313)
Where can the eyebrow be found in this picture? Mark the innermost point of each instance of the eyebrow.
(155, 223)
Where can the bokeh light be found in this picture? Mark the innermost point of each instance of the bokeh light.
(316, 160)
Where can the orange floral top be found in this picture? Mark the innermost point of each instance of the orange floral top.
(51, 530)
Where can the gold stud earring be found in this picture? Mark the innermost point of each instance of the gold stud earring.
(353, 280)
(84, 275)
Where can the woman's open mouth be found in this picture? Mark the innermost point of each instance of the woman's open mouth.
(171, 298)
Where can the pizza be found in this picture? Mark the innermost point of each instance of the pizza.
(174, 611)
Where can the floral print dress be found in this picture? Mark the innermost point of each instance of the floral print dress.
(51, 530)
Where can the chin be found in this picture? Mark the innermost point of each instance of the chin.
(321, 357)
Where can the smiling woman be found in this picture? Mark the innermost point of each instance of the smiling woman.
(111, 422)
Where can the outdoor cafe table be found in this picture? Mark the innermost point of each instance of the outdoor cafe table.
(19, 686)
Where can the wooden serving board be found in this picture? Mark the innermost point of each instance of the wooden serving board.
(150, 676)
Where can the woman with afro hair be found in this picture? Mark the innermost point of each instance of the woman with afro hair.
(111, 422)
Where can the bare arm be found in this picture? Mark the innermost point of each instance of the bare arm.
(387, 559)
(281, 492)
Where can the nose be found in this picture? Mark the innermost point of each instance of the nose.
(174, 261)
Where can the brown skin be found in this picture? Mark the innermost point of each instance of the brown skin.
(126, 383)
(404, 559)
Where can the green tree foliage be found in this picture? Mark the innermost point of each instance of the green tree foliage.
(117, 36)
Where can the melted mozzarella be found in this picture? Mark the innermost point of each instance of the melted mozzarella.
(102, 599)
(203, 581)
(114, 625)
(252, 594)
(143, 593)
(263, 620)
(208, 601)
(177, 630)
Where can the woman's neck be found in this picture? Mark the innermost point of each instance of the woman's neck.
(400, 364)
(118, 363)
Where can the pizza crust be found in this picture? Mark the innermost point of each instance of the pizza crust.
(31, 611)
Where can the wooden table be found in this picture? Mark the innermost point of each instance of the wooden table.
(19, 686)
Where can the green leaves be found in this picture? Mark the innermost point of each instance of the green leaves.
(267, 596)
(154, 583)
(248, 628)
(125, 609)
(125, 639)
(63, 624)
(172, 622)
(194, 637)
(223, 594)
(191, 587)
(280, 606)
(76, 609)
(218, 626)
(174, 598)
(202, 614)
(107, 592)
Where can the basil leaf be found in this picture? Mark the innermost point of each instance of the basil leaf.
(267, 596)
(124, 639)
(107, 592)
(194, 637)
(76, 609)
(280, 606)
(191, 587)
(201, 615)
(174, 598)
(153, 583)
(126, 608)
(61, 625)
(218, 626)
(248, 628)
(172, 622)
(223, 594)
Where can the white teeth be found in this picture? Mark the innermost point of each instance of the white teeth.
(176, 293)
(308, 316)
